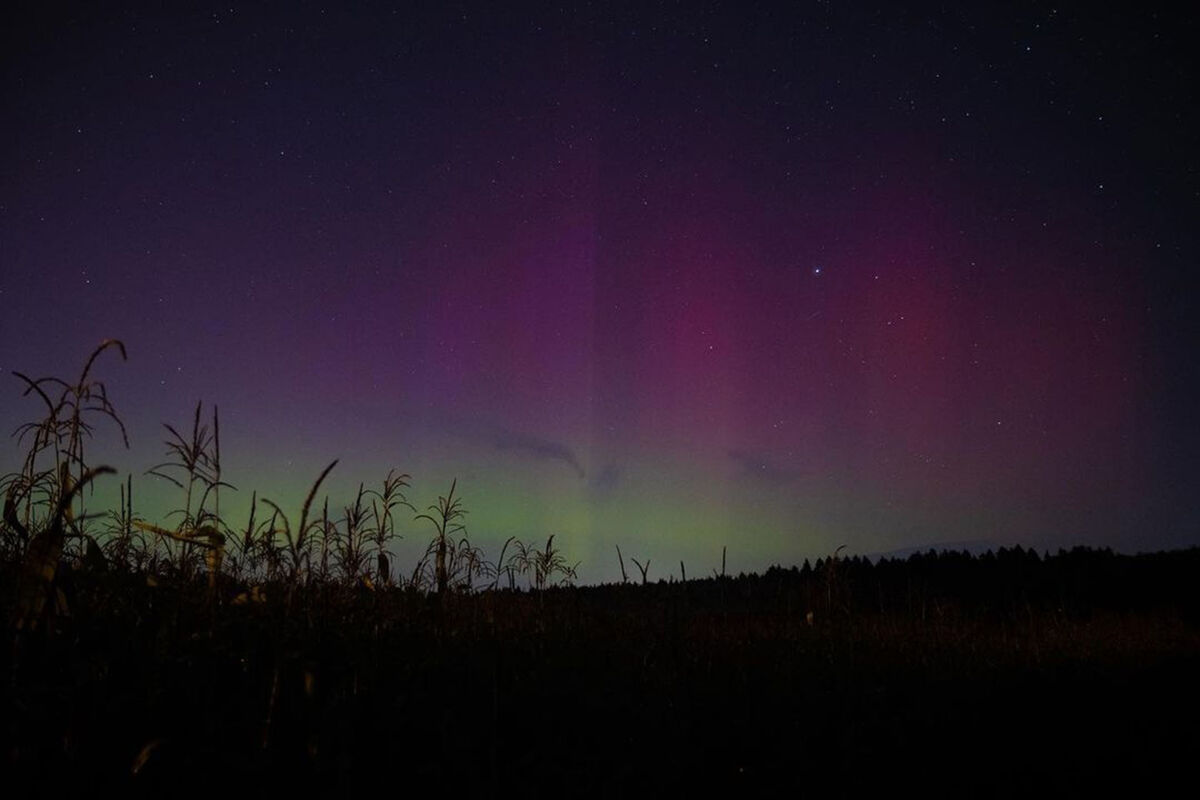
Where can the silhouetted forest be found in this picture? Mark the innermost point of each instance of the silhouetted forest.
(994, 674)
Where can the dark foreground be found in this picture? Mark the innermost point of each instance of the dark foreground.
(1007, 676)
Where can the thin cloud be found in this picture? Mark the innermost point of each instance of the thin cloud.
(606, 480)
(537, 447)
(506, 439)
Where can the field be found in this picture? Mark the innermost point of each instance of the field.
(292, 654)
(1062, 683)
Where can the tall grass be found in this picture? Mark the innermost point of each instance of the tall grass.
(353, 548)
(55, 460)
(196, 643)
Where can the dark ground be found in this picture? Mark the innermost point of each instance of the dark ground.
(1008, 676)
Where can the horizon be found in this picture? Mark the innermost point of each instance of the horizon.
(415, 535)
(665, 279)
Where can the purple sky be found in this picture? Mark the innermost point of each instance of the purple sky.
(670, 278)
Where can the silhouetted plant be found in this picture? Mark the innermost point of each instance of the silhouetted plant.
(247, 549)
(350, 538)
(383, 504)
(299, 540)
(444, 518)
(543, 565)
(125, 544)
(642, 568)
(62, 434)
(197, 462)
(721, 575)
(39, 598)
(466, 565)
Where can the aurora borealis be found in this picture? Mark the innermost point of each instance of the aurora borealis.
(665, 276)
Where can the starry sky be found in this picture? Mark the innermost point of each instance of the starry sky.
(669, 276)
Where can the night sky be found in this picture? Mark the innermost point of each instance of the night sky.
(665, 276)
